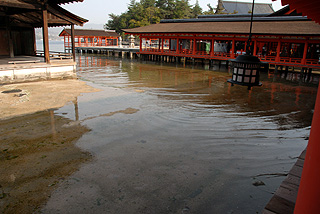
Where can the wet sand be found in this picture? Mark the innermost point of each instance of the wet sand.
(39, 96)
(37, 148)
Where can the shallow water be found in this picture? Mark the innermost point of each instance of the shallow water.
(173, 139)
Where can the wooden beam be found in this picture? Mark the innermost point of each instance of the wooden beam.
(45, 35)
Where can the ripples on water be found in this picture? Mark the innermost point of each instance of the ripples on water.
(198, 89)
(194, 144)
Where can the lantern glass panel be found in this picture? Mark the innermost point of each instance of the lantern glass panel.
(246, 71)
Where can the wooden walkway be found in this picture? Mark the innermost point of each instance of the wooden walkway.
(284, 199)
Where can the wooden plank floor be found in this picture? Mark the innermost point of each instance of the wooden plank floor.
(284, 199)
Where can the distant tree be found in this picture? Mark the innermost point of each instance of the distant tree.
(116, 22)
(182, 9)
(166, 8)
(146, 12)
(210, 11)
(196, 10)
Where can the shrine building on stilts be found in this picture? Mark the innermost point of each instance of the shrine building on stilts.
(283, 39)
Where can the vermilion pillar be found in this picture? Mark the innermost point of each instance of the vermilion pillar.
(308, 200)
(233, 48)
(278, 51)
(305, 50)
(73, 49)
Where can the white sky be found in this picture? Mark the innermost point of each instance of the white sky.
(96, 11)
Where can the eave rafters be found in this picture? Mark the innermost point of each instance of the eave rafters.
(62, 16)
(20, 4)
(29, 12)
(31, 19)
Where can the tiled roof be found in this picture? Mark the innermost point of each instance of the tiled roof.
(266, 25)
(245, 8)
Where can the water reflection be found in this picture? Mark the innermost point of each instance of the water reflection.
(170, 139)
(37, 151)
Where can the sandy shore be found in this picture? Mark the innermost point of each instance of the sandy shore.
(26, 98)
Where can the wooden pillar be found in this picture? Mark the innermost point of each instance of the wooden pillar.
(64, 42)
(140, 43)
(9, 36)
(72, 43)
(245, 46)
(162, 44)
(233, 47)
(177, 50)
(212, 48)
(278, 51)
(305, 50)
(34, 42)
(254, 48)
(194, 47)
(69, 46)
(45, 35)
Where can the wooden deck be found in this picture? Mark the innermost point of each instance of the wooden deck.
(284, 199)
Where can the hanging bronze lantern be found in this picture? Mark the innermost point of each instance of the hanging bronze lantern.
(246, 71)
(246, 68)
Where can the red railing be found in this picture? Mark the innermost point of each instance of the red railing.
(312, 62)
(68, 45)
(226, 56)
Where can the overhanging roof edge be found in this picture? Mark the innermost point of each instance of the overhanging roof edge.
(238, 19)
